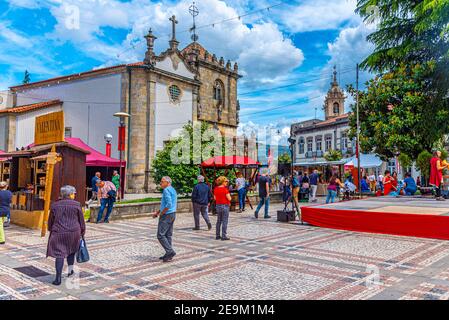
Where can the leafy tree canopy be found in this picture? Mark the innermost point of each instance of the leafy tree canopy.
(400, 113)
(333, 155)
(410, 32)
(284, 158)
(185, 171)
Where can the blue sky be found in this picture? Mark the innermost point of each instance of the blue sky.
(293, 45)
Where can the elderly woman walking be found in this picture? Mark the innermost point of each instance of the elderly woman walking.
(66, 226)
(5, 202)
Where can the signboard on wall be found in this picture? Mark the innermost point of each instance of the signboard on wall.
(49, 128)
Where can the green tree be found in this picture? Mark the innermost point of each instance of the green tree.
(423, 163)
(285, 158)
(410, 32)
(333, 155)
(184, 174)
(26, 77)
(399, 112)
(405, 160)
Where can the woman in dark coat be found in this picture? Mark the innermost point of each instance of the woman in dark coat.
(5, 202)
(66, 226)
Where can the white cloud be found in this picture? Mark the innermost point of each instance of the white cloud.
(15, 52)
(30, 4)
(261, 50)
(313, 15)
(13, 37)
(348, 49)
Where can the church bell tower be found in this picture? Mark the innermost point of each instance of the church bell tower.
(334, 104)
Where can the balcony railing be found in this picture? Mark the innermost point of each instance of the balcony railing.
(314, 154)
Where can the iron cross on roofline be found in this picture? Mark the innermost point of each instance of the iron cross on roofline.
(174, 22)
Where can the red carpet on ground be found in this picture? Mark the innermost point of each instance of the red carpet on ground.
(415, 225)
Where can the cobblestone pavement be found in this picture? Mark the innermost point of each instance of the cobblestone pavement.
(264, 259)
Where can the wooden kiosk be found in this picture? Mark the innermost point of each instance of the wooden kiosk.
(31, 172)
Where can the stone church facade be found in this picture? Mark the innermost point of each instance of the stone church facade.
(195, 82)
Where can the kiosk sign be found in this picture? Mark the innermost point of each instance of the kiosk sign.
(49, 128)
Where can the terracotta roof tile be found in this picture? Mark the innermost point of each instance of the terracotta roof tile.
(32, 107)
(332, 120)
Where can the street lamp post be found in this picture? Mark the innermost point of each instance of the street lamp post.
(359, 178)
(121, 145)
(292, 142)
(108, 139)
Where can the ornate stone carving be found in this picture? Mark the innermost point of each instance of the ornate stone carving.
(149, 55)
(175, 61)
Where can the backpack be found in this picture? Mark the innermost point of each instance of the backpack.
(295, 182)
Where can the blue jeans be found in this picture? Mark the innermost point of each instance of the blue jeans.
(266, 201)
(331, 194)
(409, 192)
(242, 195)
(103, 203)
(165, 232)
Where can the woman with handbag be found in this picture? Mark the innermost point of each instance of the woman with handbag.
(67, 227)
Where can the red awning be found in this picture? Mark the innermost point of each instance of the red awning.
(229, 161)
(94, 158)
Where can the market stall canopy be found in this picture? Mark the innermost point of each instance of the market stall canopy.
(230, 161)
(3, 159)
(94, 158)
(366, 161)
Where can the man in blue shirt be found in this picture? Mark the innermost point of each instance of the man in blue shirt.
(167, 216)
(95, 179)
(409, 185)
(201, 197)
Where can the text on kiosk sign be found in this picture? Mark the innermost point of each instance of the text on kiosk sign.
(49, 128)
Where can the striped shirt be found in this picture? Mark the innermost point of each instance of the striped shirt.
(103, 192)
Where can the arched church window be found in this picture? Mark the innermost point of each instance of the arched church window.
(336, 108)
(218, 91)
(175, 93)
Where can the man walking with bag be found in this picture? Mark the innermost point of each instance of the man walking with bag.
(167, 216)
(201, 197)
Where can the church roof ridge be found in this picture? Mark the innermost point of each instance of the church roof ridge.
(75, 76)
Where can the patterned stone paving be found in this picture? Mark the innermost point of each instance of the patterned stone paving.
(263, 260)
